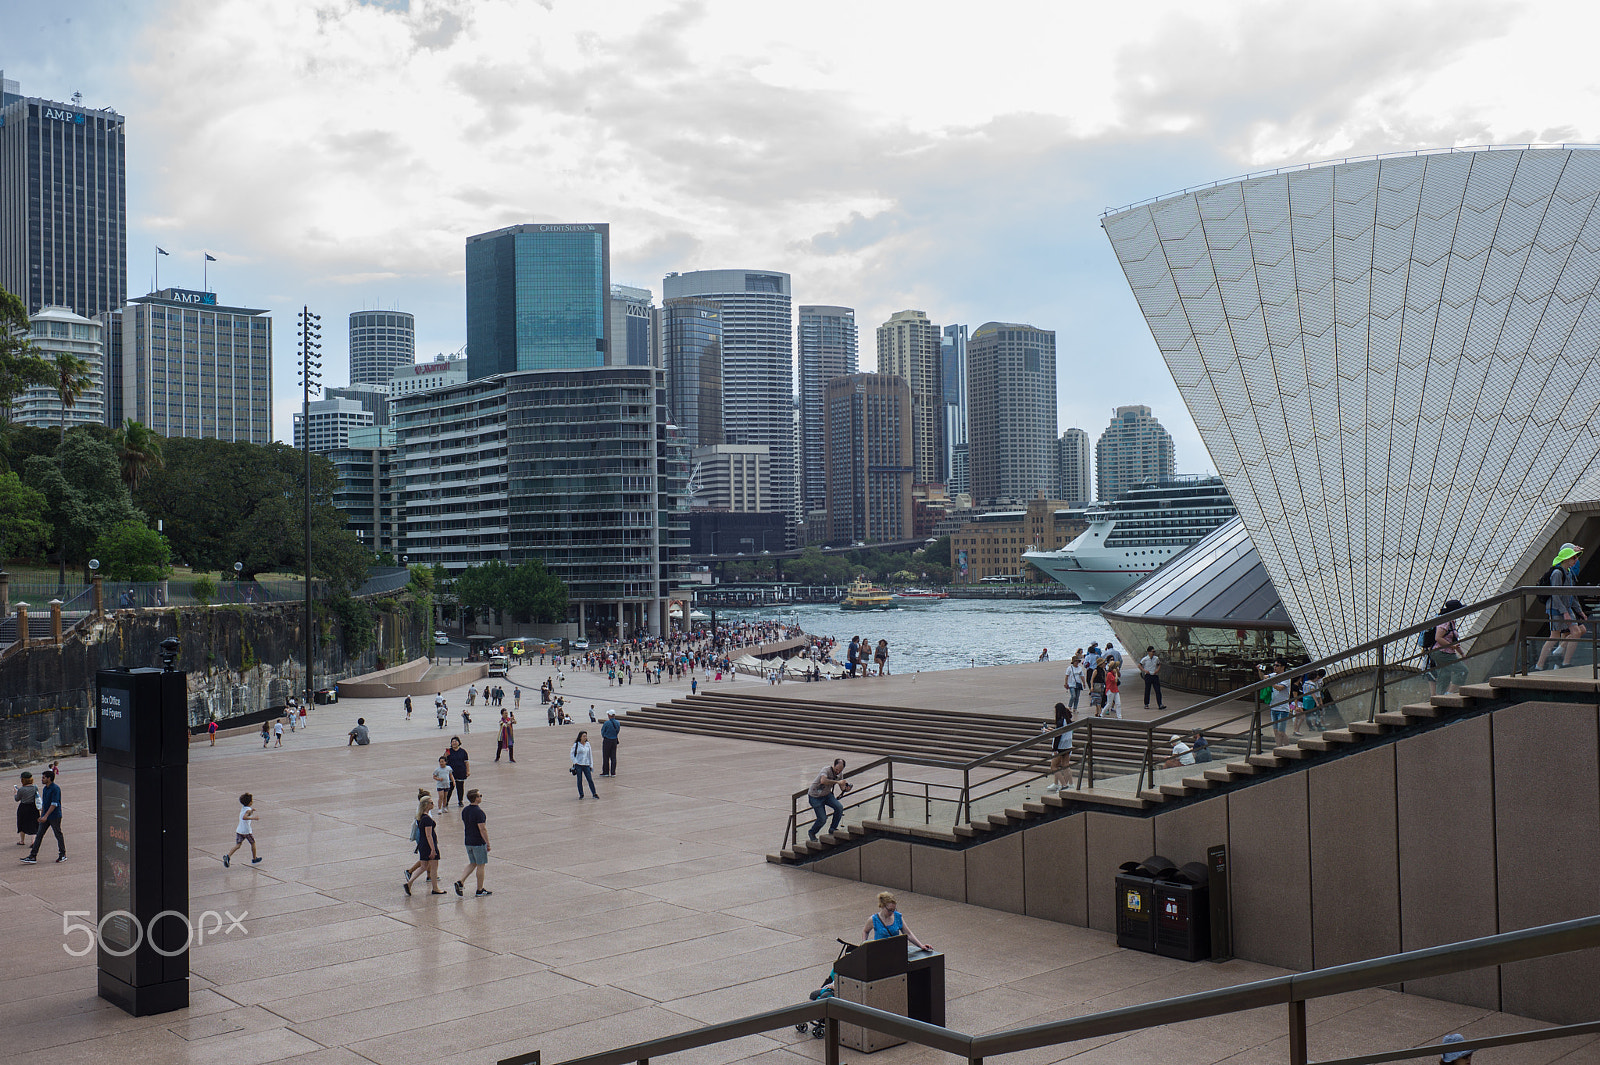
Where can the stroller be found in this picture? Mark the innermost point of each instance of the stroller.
(819, 1028)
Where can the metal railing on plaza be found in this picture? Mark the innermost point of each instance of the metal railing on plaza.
(1292, 992)
(1117, 759)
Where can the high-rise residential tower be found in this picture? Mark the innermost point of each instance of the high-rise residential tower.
(63, 214)
(953, 366)
(59, 331)
(691, 342)
(382, 344)
(537, 298)
(828, 348)
(909, 346)
(1134, 449)
(633, 328)
(757, 364)
(1074, 470)
(191, 367)
(870, 462)
(1011, 413)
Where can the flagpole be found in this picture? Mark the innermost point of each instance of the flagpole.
(205, 272)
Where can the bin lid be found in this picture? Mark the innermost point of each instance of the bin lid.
(1194, 873)
(1157, 866)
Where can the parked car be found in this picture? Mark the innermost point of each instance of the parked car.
(440, 636)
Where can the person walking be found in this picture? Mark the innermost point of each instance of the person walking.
(583, 763)
(441, 710)
(211, 730)
(266, 735)
(1564, 611)
(475, 823)
(609, 733)
(1150, 670)
(277, 732)
(426, 834)
(49, 818)
(1097, 688)
(820, 796)
(1448, 652)
(27, 796)
(1114, 689)
(460, 770)
(516, 697)
(1073, 681)
(443, 782)
(1061, 757)
(244, 832)
(881, 656)
(408, 708)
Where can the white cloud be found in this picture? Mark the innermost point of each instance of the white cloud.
(943, 155)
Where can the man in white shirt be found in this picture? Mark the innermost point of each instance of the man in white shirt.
(1182, 753)
(1150, 670)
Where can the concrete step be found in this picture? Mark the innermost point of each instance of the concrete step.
(1452, 702)
(1176, 791)
(1220, 776)
(1245, 768)
(1479, 691)
(1200, 783)
(1268, 761)
(1393, 717)
(1314, 743)
(1420, 710)
(1291, 751)
(1367, 728)
(1153, 795)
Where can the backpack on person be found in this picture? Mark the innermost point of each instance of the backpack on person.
(1548, 581)
(416, 831)
(1427, 637)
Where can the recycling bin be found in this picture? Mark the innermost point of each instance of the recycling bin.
(1181, 924)
(1136, 901)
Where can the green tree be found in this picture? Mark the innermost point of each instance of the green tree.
(204, 589)
(132, 551)
(20, 367)
(138, 452)
(84, 493)
(536, 594)
(70, 377)
(228, 501)
(23, 530)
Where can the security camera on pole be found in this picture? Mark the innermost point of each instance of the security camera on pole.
(310, 334)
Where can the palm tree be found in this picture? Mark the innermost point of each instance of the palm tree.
(70, 378)
(138, 452)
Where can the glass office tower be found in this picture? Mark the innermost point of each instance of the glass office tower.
(63, 205)
(691, 337)
(538, 298)
(828, 349)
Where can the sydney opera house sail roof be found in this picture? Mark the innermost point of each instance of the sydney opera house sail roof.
(1392, 363)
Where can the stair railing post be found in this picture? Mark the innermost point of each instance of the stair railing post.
(1254, 746)
(1519, 661)
(830, 1054)
(1381, 700)
(890, 786)
(1086, 763)
(964, 808)
(1297, 1032)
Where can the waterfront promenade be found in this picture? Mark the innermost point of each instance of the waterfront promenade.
(647, 912)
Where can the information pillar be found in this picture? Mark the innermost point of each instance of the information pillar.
(143, 839)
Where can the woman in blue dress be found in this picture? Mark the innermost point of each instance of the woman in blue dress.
(889, 922)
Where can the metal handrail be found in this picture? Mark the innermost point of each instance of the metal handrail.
(1152, 727)
(1293, 991)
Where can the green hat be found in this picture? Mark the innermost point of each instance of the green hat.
(1568, 551)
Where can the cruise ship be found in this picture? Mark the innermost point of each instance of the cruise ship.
(1132, 536)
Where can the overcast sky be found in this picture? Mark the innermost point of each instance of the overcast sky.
(951, 157)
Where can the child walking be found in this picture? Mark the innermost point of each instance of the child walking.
(245, 832)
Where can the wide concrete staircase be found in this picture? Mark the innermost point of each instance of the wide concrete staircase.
(955, 739)
(906, 732)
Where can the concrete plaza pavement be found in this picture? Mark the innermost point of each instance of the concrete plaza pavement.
(647, 912)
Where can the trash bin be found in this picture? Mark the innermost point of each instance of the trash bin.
(1182, 919)
(1136, 902)
(325, 695)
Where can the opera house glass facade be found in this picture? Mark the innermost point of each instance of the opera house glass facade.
(1392, 363)
(1212, 612)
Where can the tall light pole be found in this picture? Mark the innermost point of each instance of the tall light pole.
(310, 333)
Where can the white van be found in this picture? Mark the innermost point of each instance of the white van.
(499, 665)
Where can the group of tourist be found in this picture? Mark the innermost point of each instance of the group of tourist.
(861, 655)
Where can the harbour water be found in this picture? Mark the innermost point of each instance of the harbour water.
(950, 633)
